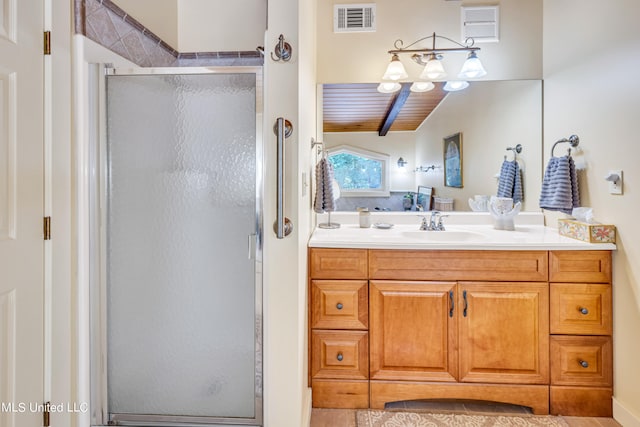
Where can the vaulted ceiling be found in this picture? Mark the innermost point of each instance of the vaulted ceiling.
(361, 108)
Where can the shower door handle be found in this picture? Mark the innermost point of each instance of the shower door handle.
(283, 226)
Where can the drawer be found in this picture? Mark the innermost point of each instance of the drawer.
(518, 266)
(580, 266)
(337, 263)
(339, 304)
(353, 394)
(339, 354)
(581, 361)
(581, 401)
(582, 309)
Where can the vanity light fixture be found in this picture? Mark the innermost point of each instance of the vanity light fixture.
(426, 168)
(389, 87)
(421, 86)
(431, 59)
(454, 85)
(402, 163)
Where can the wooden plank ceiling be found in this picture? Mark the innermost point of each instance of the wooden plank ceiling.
(361, 108)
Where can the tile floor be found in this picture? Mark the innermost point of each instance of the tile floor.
(347, 417)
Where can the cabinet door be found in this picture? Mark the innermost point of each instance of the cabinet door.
(412, 331)
(504, 332)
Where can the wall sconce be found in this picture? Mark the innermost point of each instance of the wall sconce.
(433, 69)
(402, 163)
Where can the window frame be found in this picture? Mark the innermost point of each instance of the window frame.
(383, 158)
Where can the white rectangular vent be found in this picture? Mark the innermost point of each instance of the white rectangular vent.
(349, 18)
(481, 23)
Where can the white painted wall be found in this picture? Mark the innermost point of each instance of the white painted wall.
(362, 57)
(491, 116)
(591, 52)
(307, 113)
(62, 363)
(220, 25)
(160, 16)
(395, 145)
(202, 25)
(289, 93)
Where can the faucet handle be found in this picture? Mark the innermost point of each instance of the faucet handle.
(440, 225)
(424, 223)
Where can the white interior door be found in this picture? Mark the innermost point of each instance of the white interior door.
(21, 212)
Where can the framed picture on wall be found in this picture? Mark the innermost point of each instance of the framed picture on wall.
(452, 148)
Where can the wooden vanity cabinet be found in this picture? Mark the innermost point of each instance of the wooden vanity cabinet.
(581, 327)
(473, 331)
(504, 332)
(481, 325)
(413, 330)
(339, 323)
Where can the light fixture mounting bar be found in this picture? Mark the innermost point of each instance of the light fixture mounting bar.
(466, 47)
(435, 51)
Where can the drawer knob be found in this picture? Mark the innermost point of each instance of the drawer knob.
(340, 357)
(584, 310)
(339, 306)
(584, 363)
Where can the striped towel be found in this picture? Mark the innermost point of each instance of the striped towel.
(560, 185)
(510, 181)
(324, 198)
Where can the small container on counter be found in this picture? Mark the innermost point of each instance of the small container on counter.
(364, 217)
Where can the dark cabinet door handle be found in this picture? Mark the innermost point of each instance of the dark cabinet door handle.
(340, 357)
(584, 310)
(339, 306)
(451, 304)
(466, 304)
(584, 363)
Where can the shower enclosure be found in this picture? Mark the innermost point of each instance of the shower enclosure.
(177, 281)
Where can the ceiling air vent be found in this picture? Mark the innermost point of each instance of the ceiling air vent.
(480, 23)
(348, 18)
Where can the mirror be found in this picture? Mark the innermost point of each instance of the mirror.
(490, 117)
(423, 198)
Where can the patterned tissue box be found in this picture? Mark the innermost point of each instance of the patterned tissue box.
(587, 232)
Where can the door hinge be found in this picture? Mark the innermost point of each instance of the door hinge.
(46, 422)
(47, 42)
(47, 228)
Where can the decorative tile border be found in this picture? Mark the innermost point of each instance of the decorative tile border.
(107, 24)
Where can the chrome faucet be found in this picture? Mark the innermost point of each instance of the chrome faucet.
(433, 224)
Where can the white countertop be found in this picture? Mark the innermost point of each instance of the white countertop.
(468, 231)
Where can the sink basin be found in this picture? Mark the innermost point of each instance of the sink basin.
(445, 236)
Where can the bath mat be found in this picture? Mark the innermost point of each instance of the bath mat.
(372, 418)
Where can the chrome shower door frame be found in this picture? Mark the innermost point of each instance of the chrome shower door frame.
(97, 152)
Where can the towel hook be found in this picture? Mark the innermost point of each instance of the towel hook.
(516, 150)
(282, 51)
(573, 141)
(319, 146)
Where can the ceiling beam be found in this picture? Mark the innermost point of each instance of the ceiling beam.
(394, 109)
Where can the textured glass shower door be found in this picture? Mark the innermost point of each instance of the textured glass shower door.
(183, 224)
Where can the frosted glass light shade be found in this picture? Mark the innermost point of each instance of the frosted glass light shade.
(454, 85)
(389, 87)
(472, 68)
(433, 70)
(395, 70)
(421, 86)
